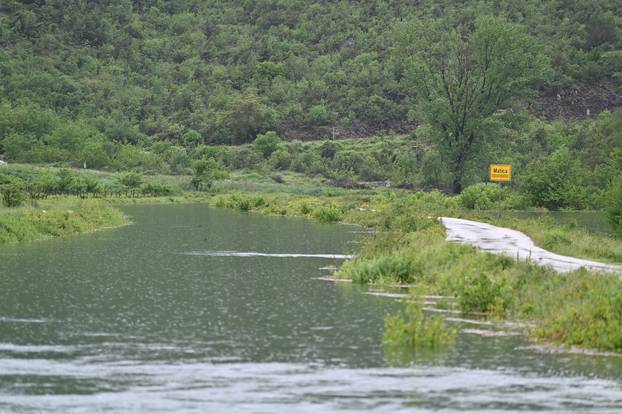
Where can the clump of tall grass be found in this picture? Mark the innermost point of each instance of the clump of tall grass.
(328, 214)
(239, 201)
(400, 268)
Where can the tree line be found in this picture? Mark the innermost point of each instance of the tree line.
(224, 72)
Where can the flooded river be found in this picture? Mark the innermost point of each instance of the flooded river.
(199, 310)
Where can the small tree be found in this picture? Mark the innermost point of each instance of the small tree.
(614, 205)
(267, 143)
(205, 172)
(131, 181)
(557, 181)
(42, 186)
(463, 77)
(64, 181)
(12, 190)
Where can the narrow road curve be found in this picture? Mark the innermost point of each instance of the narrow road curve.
(513, 243)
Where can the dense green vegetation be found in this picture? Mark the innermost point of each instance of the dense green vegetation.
(145, 85)
(581, 308)
(418, 330)
(229, 70)
(55, 218)
(291, 193)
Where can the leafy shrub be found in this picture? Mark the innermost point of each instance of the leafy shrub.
(614, 205)
(516, 201)
(557, 181)
(240, 202)
(206, 171)
(309, 163)
(131, 181)
(328, 214)
(554, 237)
(12, 190)
(42, 186)
(328, 149)
(280, 160)
(267, 143)
(155, 189)
(64, 181)
(130, 157)
(481, 196)
(483, 293)
(589, 315)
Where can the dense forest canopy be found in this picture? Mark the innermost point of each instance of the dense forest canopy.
(154, 86)
(229, 70)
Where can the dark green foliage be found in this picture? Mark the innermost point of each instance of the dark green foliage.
(12, 190)
(614, 205)
(155, 86)
(557, 181)
(205, 172)
(131, 182)
(229, 71)
(267, 143)
(464, 77)
(399, 268)
(481, 196)
(328, 214)
(328, 149)
(155, 189)
(483, 293)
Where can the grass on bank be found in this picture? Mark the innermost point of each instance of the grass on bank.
(580, 308)
(57, 217)
(415, 329)
(567, 239)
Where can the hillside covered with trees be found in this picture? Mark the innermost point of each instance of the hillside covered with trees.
(229, 70)
(153, 86)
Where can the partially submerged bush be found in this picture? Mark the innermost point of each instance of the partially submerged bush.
(415, 329)
(588, 311)
(238, 201)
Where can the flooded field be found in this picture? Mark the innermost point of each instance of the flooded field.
(193, 309)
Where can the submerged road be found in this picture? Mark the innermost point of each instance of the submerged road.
(513, 243)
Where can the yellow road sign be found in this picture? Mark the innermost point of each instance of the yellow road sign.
(500, 172)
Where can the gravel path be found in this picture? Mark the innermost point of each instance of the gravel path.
(513, 243)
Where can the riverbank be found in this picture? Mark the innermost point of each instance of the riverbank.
(408, 246)
(57, 217)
